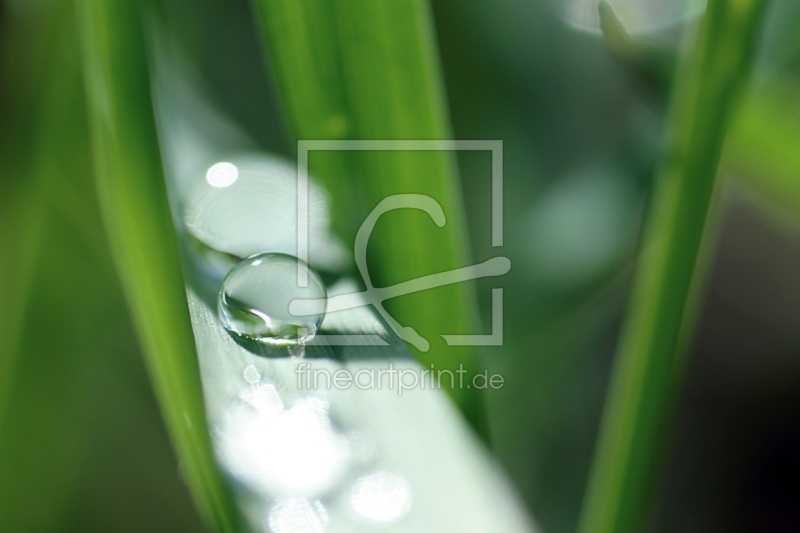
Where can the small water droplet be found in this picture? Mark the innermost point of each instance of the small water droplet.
(255, 296)
(251, 375)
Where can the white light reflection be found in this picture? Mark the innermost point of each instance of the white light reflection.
(222, 174)
(279, 452)
(381, 497)
(297, 515)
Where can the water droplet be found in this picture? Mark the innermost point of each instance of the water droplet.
(255, 296)
(381, 497)
(251, 375)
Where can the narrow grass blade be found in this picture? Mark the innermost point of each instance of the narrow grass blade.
(357, 69)
(649, 361)
(134, 206)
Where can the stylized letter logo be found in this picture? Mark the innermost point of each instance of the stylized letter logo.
(375, 296)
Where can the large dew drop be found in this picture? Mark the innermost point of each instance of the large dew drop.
(255, 296)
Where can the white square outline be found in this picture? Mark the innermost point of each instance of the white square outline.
(495, 146)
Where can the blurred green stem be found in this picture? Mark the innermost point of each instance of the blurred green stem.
(361, 69)
(649, 361)
(133, 203)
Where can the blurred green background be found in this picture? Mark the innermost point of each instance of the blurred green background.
(82, 446)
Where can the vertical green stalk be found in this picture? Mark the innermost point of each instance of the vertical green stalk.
(360, 69)
(133, 202)
(649, 361)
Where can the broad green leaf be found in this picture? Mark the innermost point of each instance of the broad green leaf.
(297, 446)
(258, 404)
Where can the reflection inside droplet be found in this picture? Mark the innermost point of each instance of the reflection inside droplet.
(222, 174)
(381, 497)
(255, 296)
(297, 515)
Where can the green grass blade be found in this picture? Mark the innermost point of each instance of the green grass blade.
(357, 69)
(649, 361)
(134, 206)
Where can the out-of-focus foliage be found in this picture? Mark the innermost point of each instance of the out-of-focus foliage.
(83, 448)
